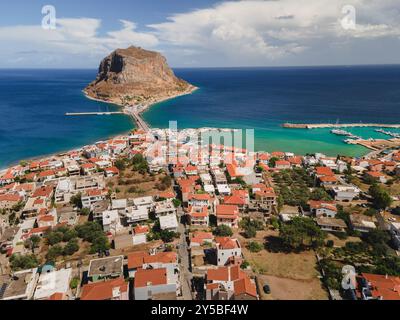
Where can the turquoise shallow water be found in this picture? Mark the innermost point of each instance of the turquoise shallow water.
(263, 99)
(33, 104)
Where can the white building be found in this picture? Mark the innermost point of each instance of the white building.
(140, 235)
(53, 282)
(345, 193)
(64, 191)
(228, 250)
(147, 202)
(119, 204)
(163, 208)
(111, 221)
(224, 189)
(136, 214)
(169, 222)
(22, 285)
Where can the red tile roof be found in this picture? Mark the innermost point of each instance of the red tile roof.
(234, 200)
(231, 211)
(150, 277)
(103, 290)
(324, 171)
(387, 287)
(245, 286)
(199, 196)
(10, 197)
(141, 229)
(226, 243)
(47, 173)
(328, 179)
(280, 163)
(44, 191)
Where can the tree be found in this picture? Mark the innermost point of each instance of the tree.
(33, 242)
(254, 246)
(70, 234)
(247, 222)
(330, 243)
(167, 236)
(250, 232)
(54, 237)
(272, 162)
(20, 262)
(381, 199)
(388, 266)
(376, 236)
(140, 163)
(76, 200)
(341, 214)
(100, 244)
(54, 252)
(71, 247)
(320, 194)
(223, 231)
(275, 222)
(177, 203)
(301, 232)
(84, 211)
(89, 231)
(120, 164)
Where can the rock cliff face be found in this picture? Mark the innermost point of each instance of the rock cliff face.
(136, 76)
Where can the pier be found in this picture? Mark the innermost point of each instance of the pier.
(336, 125)
(133, 111)
(92, 113)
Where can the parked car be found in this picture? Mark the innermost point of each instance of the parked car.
(267, 289)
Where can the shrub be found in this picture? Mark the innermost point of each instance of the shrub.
(223, 231)
(329, 243)
(74, 283)
(254, 246)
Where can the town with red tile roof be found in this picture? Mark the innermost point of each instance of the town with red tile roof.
(131, 219)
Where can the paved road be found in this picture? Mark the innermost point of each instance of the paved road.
(186, 275)
(135, 113)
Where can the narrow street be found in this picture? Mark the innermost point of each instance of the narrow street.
(186, 275)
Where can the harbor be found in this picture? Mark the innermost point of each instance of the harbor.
(337, 125)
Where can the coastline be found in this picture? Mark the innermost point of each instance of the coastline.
(146, 107)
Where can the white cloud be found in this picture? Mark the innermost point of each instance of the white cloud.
(244, 32)
(73, 36)
(259, 32)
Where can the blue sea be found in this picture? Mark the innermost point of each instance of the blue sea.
(33, 104)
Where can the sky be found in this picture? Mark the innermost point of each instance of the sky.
(201, 33)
